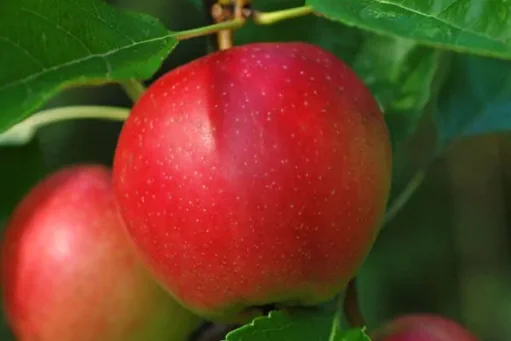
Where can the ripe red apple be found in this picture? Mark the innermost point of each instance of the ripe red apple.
(69, 272)
(422, 327)
(254, 176)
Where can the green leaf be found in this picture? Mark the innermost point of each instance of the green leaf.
(400, 74)
(475, 100)
(355, 334)
(282, 326)
(52, 44)
(475, 26)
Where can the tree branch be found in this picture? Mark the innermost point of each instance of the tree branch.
(352, 309)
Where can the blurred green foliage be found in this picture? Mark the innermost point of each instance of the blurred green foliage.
(448, 251)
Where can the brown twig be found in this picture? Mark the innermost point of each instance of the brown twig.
(225, 39)
(352, 307)
(230, 15)
(239, 5)
(226, 10)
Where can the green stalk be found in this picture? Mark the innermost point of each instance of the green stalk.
(133, 88)
(274, 17)
(24, 131)
(210, 29)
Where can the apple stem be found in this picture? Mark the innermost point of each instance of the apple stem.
(225, 41)
(352, 309)
(133, 88)
(226, 37)
(268, 18)
(24, 131)
(404, 196)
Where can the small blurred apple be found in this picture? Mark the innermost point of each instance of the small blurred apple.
(69, 272)
(422, 327)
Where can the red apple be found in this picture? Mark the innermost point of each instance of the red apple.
(254, 176)
(69, 271)
(422, 327)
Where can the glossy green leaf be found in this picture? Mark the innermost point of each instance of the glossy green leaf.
(51, 44)
(355, 334)
(279, 326)
(400, 74)
(176, 15)
(476, 98)
(475, 26)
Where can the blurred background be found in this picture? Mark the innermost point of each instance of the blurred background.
(448, 251)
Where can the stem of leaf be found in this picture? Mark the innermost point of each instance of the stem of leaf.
(262, 18)
(404, 196)
(133, 88)
(210, 29)
(24, 131)
(269, 18)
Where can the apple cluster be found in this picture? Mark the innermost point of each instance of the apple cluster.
(250, 177)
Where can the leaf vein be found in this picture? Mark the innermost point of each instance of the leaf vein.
(446, 22)
(103, 21)
(22, 49)
(60, 28)
(81, 60)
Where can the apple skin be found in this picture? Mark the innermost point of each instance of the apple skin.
(69, 272)
(253, 176)
(422, 327)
